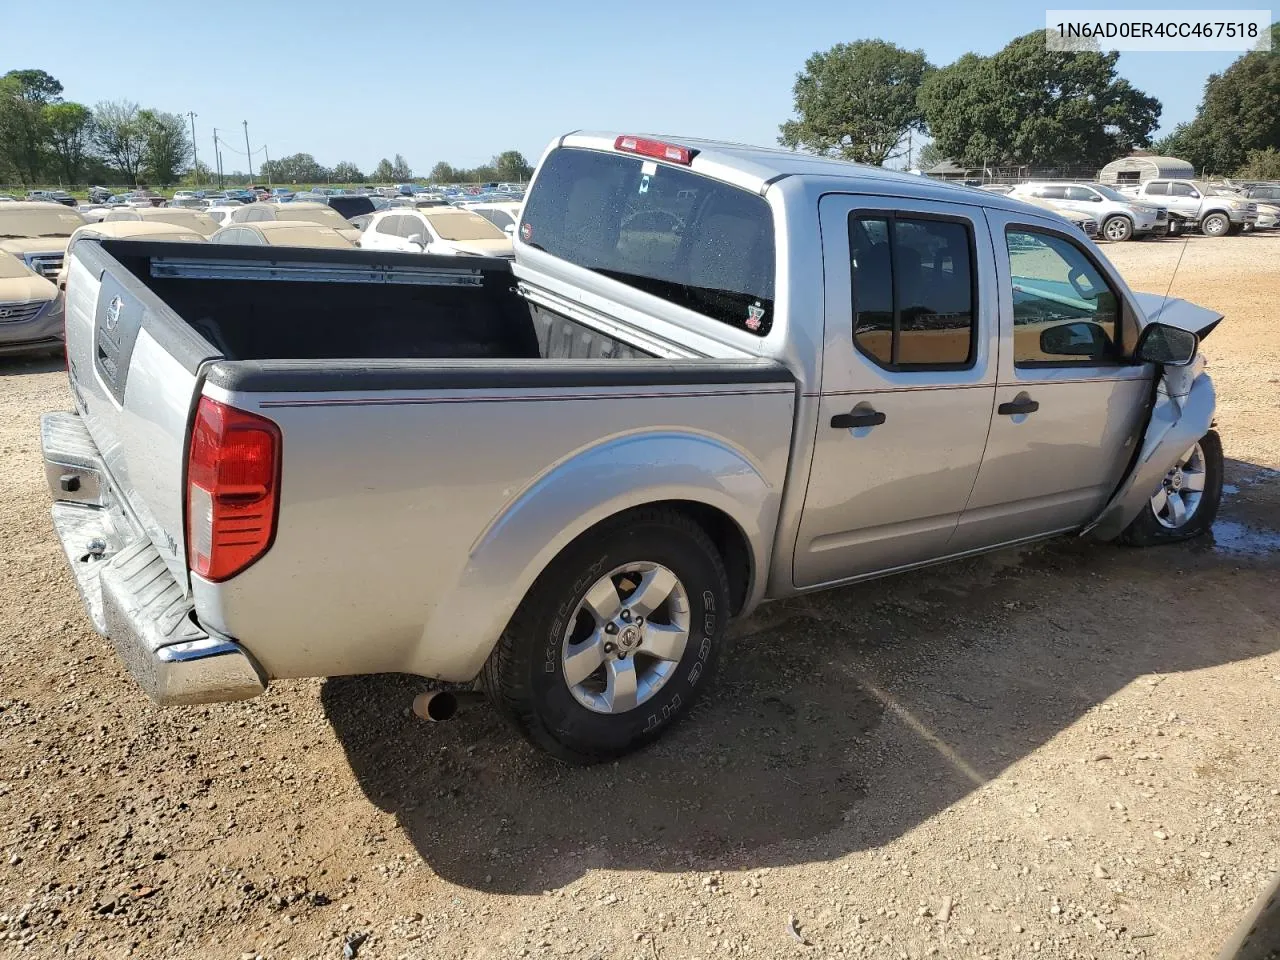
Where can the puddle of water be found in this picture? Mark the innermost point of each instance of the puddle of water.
(1230, 489)
(1232, 537)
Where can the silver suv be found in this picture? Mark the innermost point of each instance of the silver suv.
(1119, 217)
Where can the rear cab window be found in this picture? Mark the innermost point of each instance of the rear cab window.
(665, 230)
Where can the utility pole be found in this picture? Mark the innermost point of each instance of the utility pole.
(267, 154)
(247, 150)
(195, 157)
(217, 157)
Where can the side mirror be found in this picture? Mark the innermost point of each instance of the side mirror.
(1163, 344)
(509, 229)
(418, 239)
(1096, 199)
(1078, 339)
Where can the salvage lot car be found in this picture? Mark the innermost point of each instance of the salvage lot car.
(38, 233)
(766, 374)
(30, 309)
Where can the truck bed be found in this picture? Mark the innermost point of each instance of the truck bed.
(253, 303)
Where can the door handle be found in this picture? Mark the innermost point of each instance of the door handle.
(1019, 405)
(863, 418)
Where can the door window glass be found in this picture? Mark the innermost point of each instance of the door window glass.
(1064, 311)
(913, 291)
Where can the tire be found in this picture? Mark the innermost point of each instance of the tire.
(526, 675)
(1149, 529)
(1117, 228)
(1215, 225)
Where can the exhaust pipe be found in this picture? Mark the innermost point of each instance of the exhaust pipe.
(435, 705)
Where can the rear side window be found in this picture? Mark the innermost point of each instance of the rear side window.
(913, 291)
(698, 243)
(1157, 189)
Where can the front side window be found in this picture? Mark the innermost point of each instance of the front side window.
(665, 230)
(913, 291)
(1064, 311)
(1081, 193)
(1182, 190)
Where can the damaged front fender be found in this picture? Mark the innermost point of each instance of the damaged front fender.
(1183, 413)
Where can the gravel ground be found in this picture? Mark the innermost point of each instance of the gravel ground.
(1068, 751)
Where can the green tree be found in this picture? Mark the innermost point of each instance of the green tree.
(1261, 165)
(297, 168)
(119, 136)
(857, 101)
(443, 172)
(346, 172)
(400, 170)
(510, 165)
(70, 132)
(24, 129)
(1029, 105)
(1240, 113)
(929, 157)
(166, 145)
(383, 172)
(198, 175)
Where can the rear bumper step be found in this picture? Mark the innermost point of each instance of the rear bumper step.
(129, 593)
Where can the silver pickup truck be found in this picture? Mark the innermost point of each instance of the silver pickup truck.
(713, 375)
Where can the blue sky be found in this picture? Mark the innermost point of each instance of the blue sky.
(349, 81)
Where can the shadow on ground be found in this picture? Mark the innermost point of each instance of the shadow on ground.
(790, 758)
(24, 365)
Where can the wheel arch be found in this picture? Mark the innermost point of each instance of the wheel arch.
(716, 485)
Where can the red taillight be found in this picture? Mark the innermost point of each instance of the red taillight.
(233, 489)
(655, 148)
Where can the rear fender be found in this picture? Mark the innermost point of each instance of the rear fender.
(1183, 413)
(571, 498)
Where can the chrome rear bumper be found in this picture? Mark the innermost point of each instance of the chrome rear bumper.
(127, 589)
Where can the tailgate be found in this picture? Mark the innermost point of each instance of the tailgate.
(134, 367)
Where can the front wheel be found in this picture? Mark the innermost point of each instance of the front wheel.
(1215, 225)
(1118, 228)
(616, 639)
(1187, 502)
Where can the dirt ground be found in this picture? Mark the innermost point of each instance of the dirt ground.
(1069, 751)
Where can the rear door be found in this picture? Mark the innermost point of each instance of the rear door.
(908, 379)
(1069, 406)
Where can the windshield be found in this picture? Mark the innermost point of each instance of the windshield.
(325, 215)
(1111, 193)
(463, 226)
(57, 221)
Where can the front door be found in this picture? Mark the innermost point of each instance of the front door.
(1070, 407)
(908, 374)
(1183, 199)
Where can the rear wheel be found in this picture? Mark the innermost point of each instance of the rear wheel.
(1215, 225)
(615, 640)
(1117, 228)
(1186, 504)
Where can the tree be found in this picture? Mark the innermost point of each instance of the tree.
(929, 157)
(857, 101)
(444, 173)
(1029, 105)
(1240, 113)
(119, 135)
(400, 169)
(24, 131)
(510, 165)
(346, 172)
(166, 145)
(198, 175)
(1261, 165)
(384, 172)
(70, 131)
(297, 168)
